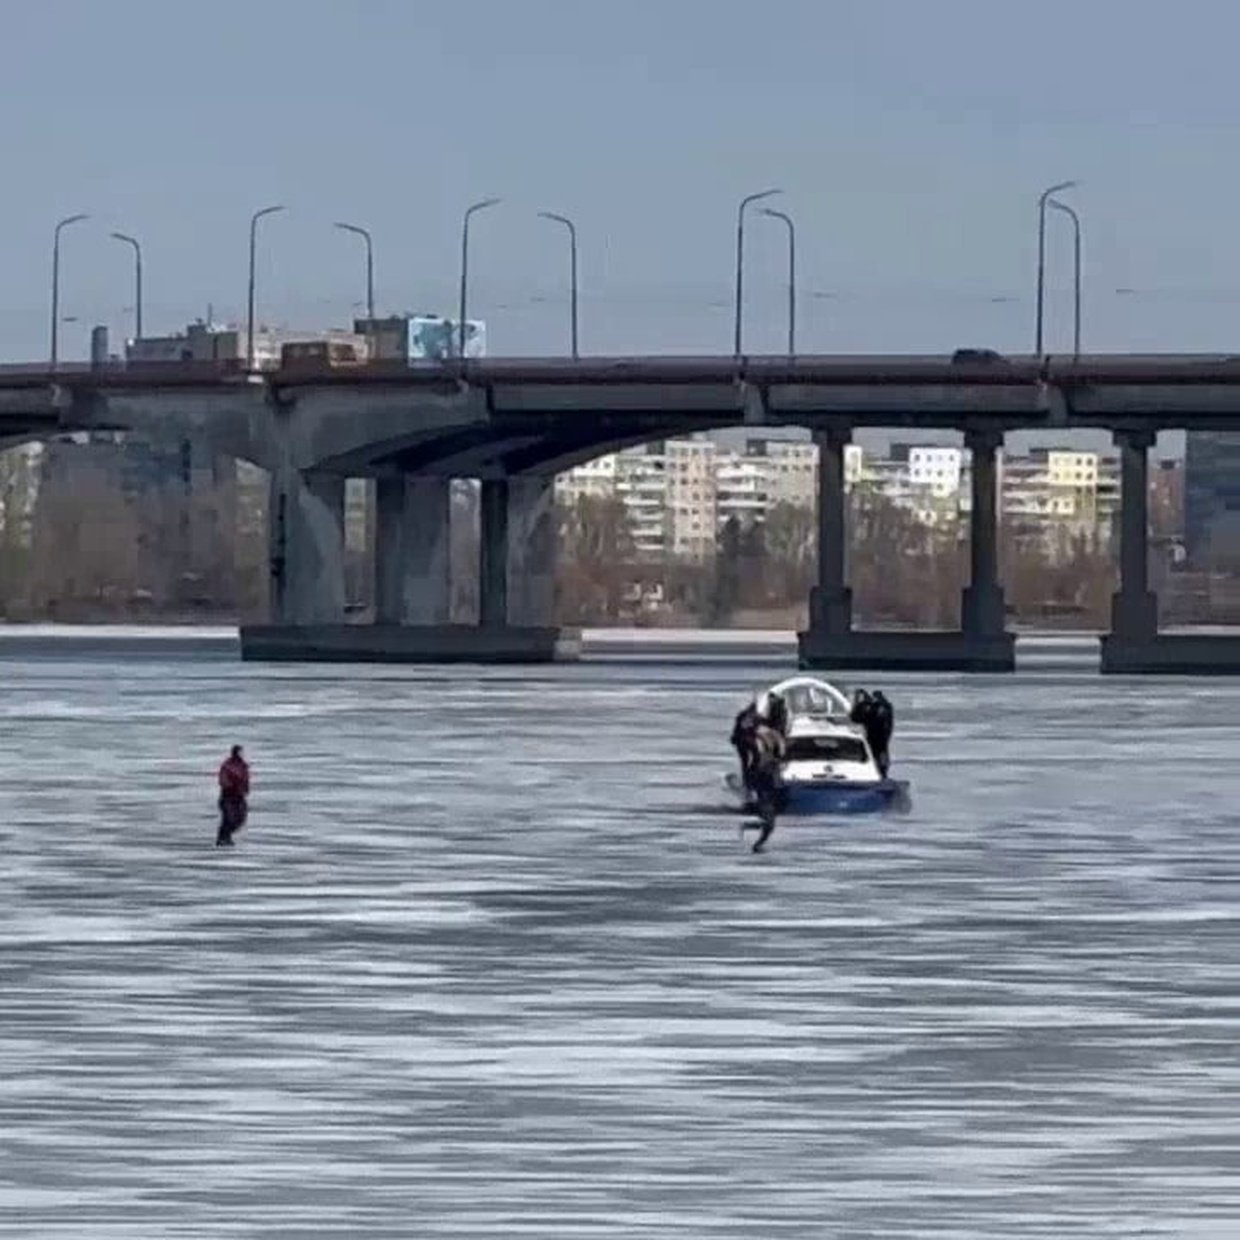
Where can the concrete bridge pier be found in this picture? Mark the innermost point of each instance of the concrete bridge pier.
(305, 525)
(1134, 643)
(413, 579)
(413, 523)
(830, 601)
(981, 645)
(987, 645)
(518, 551)
(517, 555)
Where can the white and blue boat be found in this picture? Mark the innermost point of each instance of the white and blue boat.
(828, 767)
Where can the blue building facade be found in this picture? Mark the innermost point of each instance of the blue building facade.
(1212, 497)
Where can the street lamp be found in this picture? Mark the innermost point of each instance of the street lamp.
(69, 219)
(370, 266)
(1076, 271)
(572, 270)
(792, 276)
(249, 322)
(477, 206)
(740, 257)
(137, 262)
(1042, 201)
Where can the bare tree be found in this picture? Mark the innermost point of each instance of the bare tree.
(596, 564)
(18, 486)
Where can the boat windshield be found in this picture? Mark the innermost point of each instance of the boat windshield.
(825, 749)
(810, 700)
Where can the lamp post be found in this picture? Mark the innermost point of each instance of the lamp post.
(572, 269)
(1076, 271)
(137, 267)
(792, 276)
(470, 211)
(740, 258)
(370, 266)
(62, 224)
(1043, 199)
(249, 321)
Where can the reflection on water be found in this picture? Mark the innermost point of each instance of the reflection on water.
(491, 959)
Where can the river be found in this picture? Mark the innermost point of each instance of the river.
(491, 960)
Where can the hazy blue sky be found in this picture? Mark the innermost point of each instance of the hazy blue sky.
(912, 138)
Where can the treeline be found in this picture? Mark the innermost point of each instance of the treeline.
(90, 552)
(901, 571)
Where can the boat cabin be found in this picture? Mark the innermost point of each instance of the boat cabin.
(812, 698)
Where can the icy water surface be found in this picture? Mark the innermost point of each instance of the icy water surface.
(490, 960)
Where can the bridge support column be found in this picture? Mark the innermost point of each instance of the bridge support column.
(1133, 644)
(532, 540)
(1134, 609)
(493, 553)
(517, 553)
(305, 520)
(830, 601)
(412, 528)
(983, 609)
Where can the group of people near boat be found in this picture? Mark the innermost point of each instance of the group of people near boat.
(877, 719)
(760, 738)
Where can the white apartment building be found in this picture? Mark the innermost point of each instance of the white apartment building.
(692, 497)
(791, 471)
(595, 479)
(679, 494)
(638, 478)
(740, 489)
(936, 470)
(1059, 490)
(641, 483)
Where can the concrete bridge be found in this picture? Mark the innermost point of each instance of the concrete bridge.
(515, 423)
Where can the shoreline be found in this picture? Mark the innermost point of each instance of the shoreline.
(1072, 652)
(630, 644)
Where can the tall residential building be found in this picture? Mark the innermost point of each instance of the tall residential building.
(928, 482)
(740, 489)
(1059, 491)
(641, 484)
(595, 479)
(791, 469)
(692, 497)
(936, 471)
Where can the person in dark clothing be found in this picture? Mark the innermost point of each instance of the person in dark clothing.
(234, 780)
(742, 739)
(882, 724)
(777, 714)
(765, 780)
(873, 712)
(861, 704)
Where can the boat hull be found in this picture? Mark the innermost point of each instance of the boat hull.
(805, 799)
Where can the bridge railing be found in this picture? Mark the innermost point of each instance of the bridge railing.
(823, 370)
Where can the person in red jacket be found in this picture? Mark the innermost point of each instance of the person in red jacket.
(234, 791)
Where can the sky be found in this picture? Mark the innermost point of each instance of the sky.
(911, 140)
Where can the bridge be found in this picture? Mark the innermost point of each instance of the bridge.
(514, 423)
